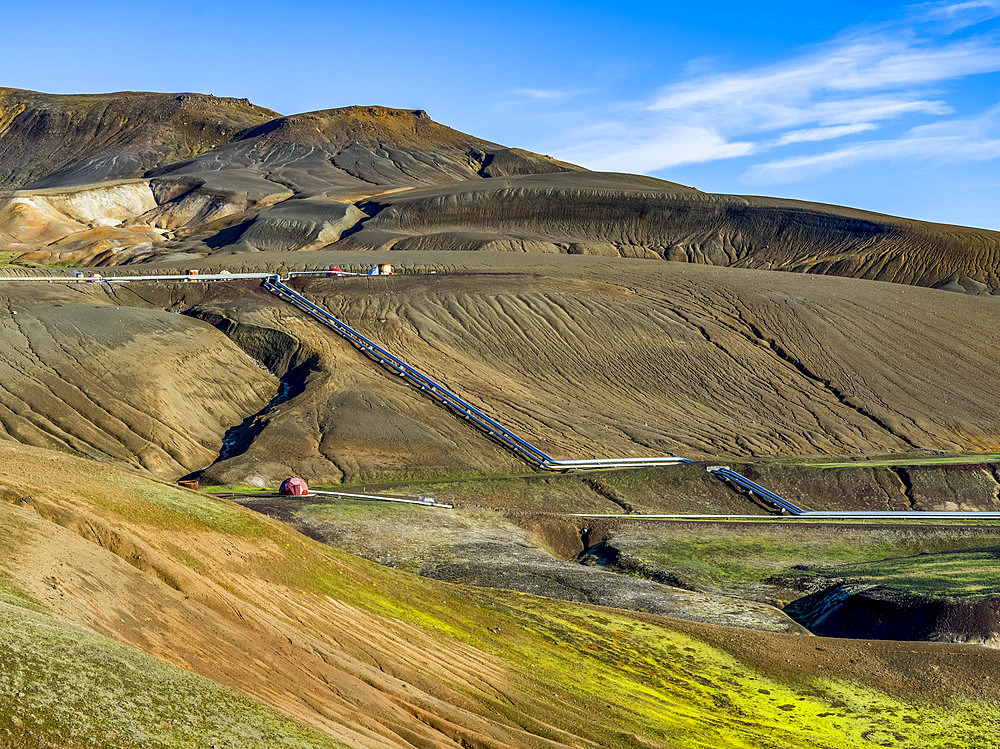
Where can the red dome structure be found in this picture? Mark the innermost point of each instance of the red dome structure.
(293, 487)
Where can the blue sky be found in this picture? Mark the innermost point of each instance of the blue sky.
(883, 106)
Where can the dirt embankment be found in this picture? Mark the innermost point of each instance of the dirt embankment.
(144, 387)
(866, 611)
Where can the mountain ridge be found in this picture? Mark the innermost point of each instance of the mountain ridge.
(225, 176)
(53, 140)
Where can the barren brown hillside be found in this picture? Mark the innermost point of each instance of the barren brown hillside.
(634, 359)
(51, 139)
(624, 215)
(220, 176)
(145, 387)
(586, 356)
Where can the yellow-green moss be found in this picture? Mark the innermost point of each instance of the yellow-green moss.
(626, 682)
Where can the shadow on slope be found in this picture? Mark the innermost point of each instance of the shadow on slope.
(629, 216)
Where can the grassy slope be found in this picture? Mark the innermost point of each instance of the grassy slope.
(734, 554)
(67, 686)
(486, 668)
(966, 575)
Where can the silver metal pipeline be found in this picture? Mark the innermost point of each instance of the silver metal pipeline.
(274, 282)
(193, 278)
(727, 473)
(440, 393)
(422, 501)
(810, 515)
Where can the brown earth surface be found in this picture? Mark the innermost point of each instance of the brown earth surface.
(375, 657)
(212, 168)
(625, 215)
(49, 140)
(76, 375)
(584, 356)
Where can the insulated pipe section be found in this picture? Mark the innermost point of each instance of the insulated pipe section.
(422, 501)
(440, 393)
(943, 514)
(128, 279)
(293, 273)
(725, 472)
(809, 515)
(171, 277)
(437, 391)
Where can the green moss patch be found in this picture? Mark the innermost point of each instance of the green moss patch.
(726, 555)
(962, 574)
(173, 508)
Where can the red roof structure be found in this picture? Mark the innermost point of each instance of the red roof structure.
(293, 487)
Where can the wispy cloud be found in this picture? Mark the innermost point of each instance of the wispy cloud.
(958, 140)
(814, 134)
(550, 94)
(955, 16)
(860, 81)
(669, 147)
(859, 64)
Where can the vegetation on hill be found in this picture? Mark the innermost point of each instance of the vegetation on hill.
(372, 656)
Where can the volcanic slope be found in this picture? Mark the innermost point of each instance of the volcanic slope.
(365, 146)
(224, 176)
(331, 159)
(590, 357)
(584, 356)
(50, 140)
(631, 216)
(211, 167)
(103, 562)
(145, 387)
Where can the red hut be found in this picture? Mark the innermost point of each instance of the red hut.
(293, 487)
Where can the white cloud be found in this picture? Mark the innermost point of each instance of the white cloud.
(862, 80)
(813, 134)
(787, 93)
(667, 148)
(957, 16)
(953, 141)
(951, 149)
(550, 94)
(865, 109)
